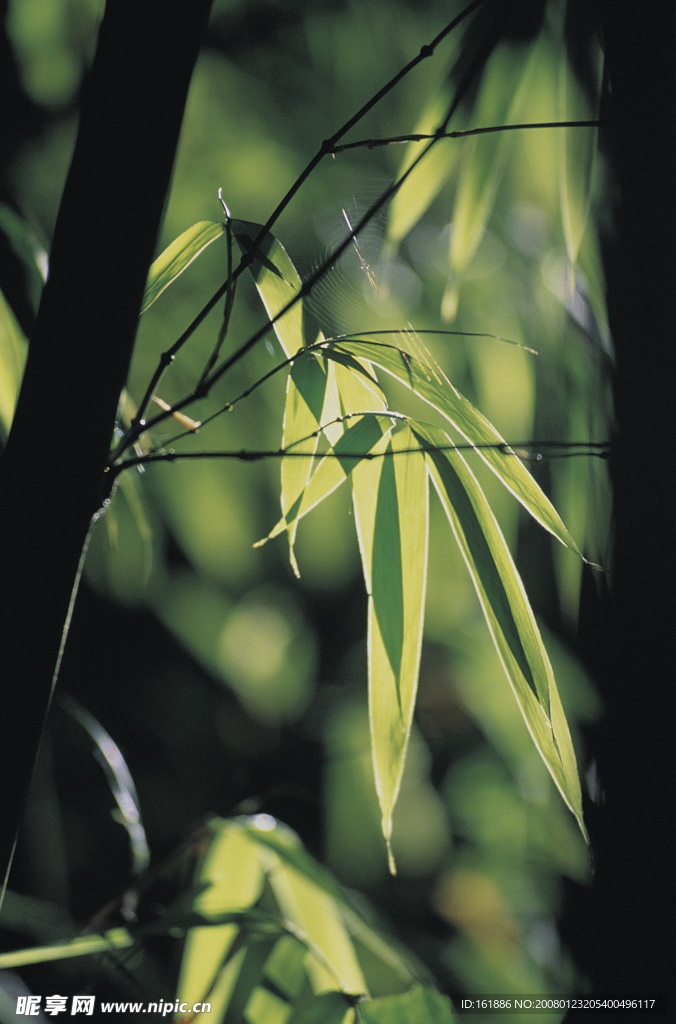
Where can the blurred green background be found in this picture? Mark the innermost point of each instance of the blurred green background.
(228, 684)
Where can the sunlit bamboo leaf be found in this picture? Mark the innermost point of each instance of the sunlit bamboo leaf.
(468, 421)
(423, 185)
(318, 396)
(308, 906)
(232, 875)
(177, 257)
(277, 281)
(393, 964)
(390, 497)
(413, 1007)
(579, 94)
(250, 973)
(83, 945)
(507, 610)
(355, 443)
(13, 349)
(305, 393)
(505, 83)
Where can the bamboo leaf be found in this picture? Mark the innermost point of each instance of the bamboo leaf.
(507, 611)
(318, 400)
(277, 282)
(13, 349)
(177, 257)
(391, 963)
(318, 393)
(232, 877)
(83, 945)
(328, 1008)
(505, 83)
(357, 442)
(579, 97)
(318, 918)
(421, 188)
(438, 392)
(390, 498)
(305, 394)
(412, 1007)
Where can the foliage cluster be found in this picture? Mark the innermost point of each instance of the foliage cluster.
(400, 312)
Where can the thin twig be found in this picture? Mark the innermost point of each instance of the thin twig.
(467, 132)
(138, 426)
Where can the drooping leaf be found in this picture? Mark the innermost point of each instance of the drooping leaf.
(423, 185)
(357, 442)
(171, 263)
(505, 83)
(319, 400)
(580, 71)
(331, 959)
(467, 420)
(232, 878)
(277, 282)
(305, 393)
(390, 497)
(393, 965)
(507, 611)
(13, 349)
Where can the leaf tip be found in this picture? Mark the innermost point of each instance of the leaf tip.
(449, 303)
(391, 863)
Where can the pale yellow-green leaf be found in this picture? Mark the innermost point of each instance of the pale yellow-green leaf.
(505, 84)
(83, 945)
(507, 611)
(357, 441)
(393, 964)
(577, 146)
(233, 876)
(171, 263)
(438, 392)
(305, 393)
(423, 185)
(317, 917)
(318, 396)
(390, 498)
(13, 349)
(277, 282)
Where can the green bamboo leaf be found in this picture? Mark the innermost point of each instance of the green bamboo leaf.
(231, 878)
(318, 393)
(328, 1008)
(277, 282)
(305, 394)
(505, 83)
(412, 1007)
(430, 385)
(357, 442)
(423, 185)
(317, 401)
(507, 611)
(313, 912)
(177, 257)
(396, 966)
(390, 498)
(257, 949)
(13, 350)
(83, 945)
(579, 98)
